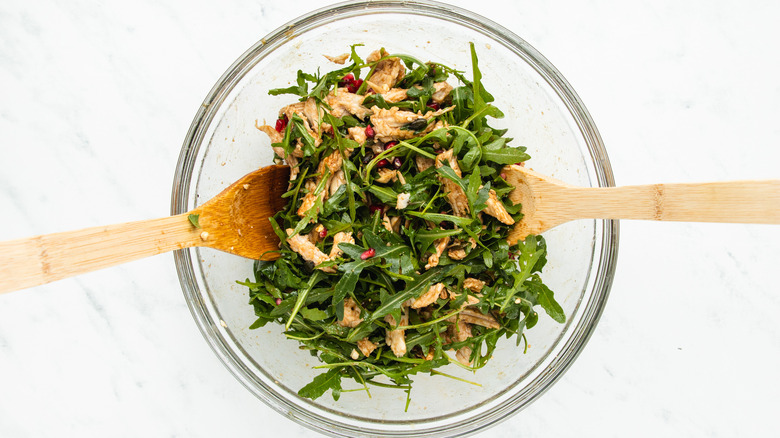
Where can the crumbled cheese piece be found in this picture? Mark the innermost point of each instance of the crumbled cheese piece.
(402, 201)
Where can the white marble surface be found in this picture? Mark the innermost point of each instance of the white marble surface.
(95, 100)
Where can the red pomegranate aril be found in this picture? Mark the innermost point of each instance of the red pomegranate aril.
(397, 163)
(323, 233)
(278, 301)
(346, 80)
(281, 123)
(376, 207)
(434, 106)
(368, 254)
(370, 131)
(353, 86)
(390, 144)
(382, 163)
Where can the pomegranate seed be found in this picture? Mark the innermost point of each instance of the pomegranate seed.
(503, 175)
(382, 163)
(368, 254)
(370, 131)
(511, 256)
(346, 80)
(397, 163)
(281, 123)
(352, 87)
(278, 301)
(390, 144)
(323, 233)
(376, 207)
(434, 106)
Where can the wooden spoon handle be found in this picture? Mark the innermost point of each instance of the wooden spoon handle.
(42, 259)
(734, 202)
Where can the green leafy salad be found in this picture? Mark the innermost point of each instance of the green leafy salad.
(394, 258)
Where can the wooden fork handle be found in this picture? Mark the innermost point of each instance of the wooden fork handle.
(734, 202)
(42, 259)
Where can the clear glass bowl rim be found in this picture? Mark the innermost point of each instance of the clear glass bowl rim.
(180, 200)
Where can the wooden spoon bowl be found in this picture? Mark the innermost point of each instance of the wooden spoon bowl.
(235, 221)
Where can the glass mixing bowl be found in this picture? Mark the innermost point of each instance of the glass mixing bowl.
(542, 113)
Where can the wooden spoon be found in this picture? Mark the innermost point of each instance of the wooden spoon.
(548, 203)
(235, 221)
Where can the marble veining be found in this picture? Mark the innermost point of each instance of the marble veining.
(96, 98)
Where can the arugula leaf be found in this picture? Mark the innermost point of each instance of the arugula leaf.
(194, 220)
(506, 156)
(330, 380)
(546, 299)
(413, 289)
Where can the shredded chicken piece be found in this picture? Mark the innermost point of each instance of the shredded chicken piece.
(428, 297)
(450, 159)
(341, 59)
(423, 163)
(375, 56)
(294, 168)
(358, 134)
(340, 237)
(473, 316)
(273, 135)
(298, 151)
(386, 175)
(394, 95)
(314, 235)
(473, 284)
(313, 113)
(459, 332)
(310, 114)
(464, 355)
(332, 162)
(309, 199)
(303, 246)
(441, 91)
(367, 347)
(391, 224)
(496, 209)
(387, 72)
(439, 246)
(351, 314)
(343, 102)
(455, 195)
(388, 123)
(338, 180)
(277, 137)
(456, 253)
(395, 338)
(470, 300)
(402, 201)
